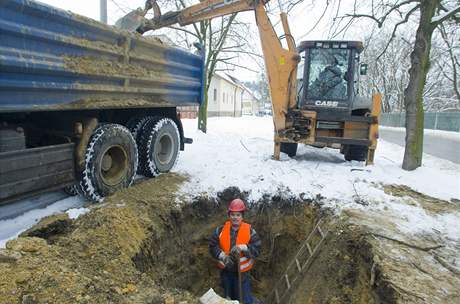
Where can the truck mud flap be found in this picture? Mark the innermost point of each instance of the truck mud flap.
(30, 171)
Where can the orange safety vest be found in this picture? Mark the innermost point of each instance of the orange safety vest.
(243, 237)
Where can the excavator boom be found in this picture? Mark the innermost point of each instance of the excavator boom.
(293, 124)
(199, 12)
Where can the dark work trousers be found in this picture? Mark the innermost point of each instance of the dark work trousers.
(229, 281)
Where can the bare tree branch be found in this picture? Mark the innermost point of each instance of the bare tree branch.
(415, 8)
(439, 19)
(453, 60)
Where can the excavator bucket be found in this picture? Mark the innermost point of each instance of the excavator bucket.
(135, 20)
(131, 21)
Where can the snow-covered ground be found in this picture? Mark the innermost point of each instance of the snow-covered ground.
(238, 152)
(438, 133)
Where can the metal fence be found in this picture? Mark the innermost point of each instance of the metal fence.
(448, 121)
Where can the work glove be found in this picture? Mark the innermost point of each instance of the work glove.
(243, 248)
(240, 248)
(227, 260)
(235, 252)
(222, 256)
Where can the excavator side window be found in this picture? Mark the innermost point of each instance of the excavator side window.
(300, 83)
(328, 74)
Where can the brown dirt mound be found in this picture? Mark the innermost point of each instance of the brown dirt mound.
(144, 245)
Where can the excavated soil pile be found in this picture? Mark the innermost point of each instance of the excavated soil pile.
(146, 245)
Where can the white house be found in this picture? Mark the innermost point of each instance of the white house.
(251, 104)
(225, 96)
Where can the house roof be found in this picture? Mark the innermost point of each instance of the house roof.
(238, 83)
(229, 79)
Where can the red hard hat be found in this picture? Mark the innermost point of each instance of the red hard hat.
(237, 205)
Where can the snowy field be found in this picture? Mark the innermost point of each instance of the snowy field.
(238, 152)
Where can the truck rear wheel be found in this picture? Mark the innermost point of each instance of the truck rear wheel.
(110, 162)
(289, 148)
(71, 190)
(159, 146)
(135, 126)
(355, 152)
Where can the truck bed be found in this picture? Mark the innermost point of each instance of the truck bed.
(51, 59)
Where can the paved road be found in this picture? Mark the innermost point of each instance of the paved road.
(434, 143)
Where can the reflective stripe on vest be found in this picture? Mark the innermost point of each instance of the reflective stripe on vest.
(243, 238)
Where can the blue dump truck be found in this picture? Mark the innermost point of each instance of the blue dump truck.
(86, 105)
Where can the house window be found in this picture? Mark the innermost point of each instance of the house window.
(215, 95)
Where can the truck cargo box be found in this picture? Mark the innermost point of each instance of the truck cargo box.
(51, 59)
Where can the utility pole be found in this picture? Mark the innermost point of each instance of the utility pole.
(103, 10)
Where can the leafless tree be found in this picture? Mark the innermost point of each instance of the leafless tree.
(388, 75)
(430, 14)
(224, 40)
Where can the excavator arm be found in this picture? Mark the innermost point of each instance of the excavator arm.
(281, 64)
(204, 10)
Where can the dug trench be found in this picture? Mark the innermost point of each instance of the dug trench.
(147, 244)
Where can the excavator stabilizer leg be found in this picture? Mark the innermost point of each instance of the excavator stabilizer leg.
(277, 149)
(374, 128)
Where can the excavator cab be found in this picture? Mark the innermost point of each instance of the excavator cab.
(328, 82)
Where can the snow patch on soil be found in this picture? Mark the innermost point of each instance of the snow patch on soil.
(11, 228)
(74, 213)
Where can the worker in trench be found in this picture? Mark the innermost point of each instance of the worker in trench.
(235, 240)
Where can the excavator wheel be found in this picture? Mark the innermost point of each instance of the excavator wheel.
(289, 148)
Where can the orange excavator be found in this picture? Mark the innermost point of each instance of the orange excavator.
(314, 85)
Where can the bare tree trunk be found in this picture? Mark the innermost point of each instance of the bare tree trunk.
(203, 110)
(413, 95)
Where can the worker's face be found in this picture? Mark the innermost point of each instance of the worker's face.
(236, 218)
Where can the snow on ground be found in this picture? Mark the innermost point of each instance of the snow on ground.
(238, 152)
(11, 228)
(438, 133)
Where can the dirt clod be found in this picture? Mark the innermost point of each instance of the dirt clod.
(50, 226)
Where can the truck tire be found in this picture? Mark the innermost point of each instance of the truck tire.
(110, 162)
(71, 190)
(135, 126)
(289, 148)
(159, 146)
(355, 152)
